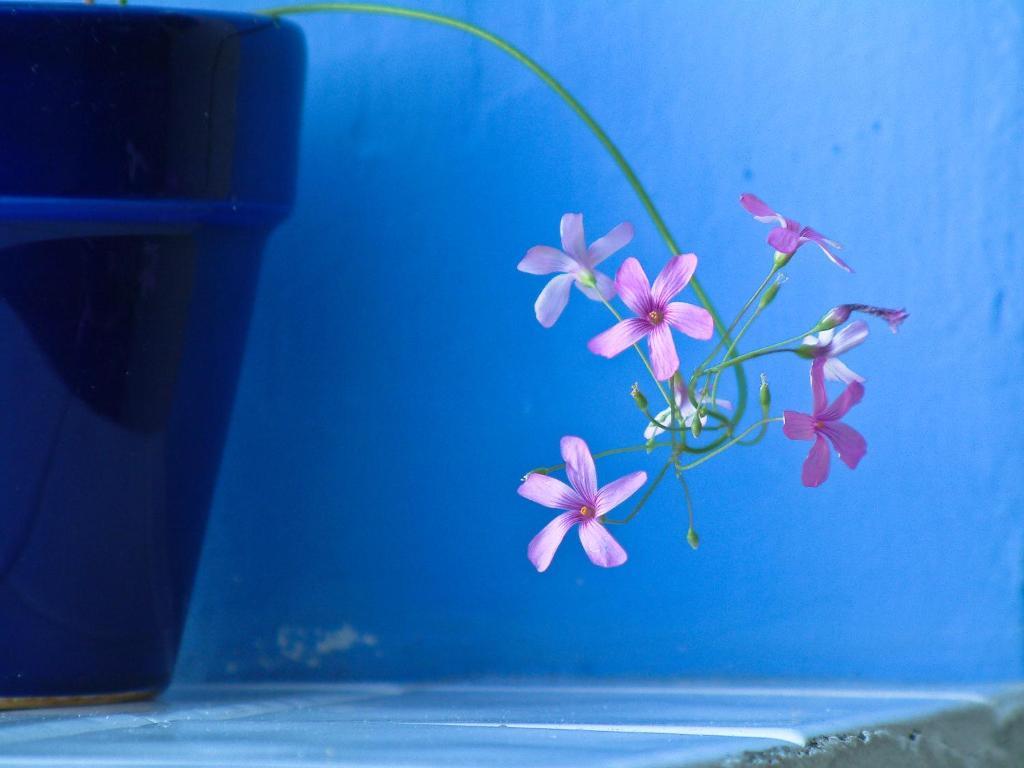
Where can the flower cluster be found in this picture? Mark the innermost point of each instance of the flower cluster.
(695, 425)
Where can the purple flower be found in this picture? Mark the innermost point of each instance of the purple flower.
(576, 262)
(655, 313)
(824, 424)
(584, 504)
(788, 236)
(830, 344)
(686, 410)
(839, 315)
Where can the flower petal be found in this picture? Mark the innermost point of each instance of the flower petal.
(759, 209)
(633, 287)
(664, 359)
(848, 337)
(619, 237)
(573, 241)
(848, 442)
(784, 240)
(620, 336)
(543, 546)
(836, 370)
(695, 322)
(605, 285)
(549, 492)
(617, 491)
(543, 260)
(599, 545)
(852, 395)
(664, 418)
(579, 466)
(798, 426)
(809, 235)
(815, 471)
(552, 300)
(673, 278)
(819, 397)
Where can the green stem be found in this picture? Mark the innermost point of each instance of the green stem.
(772, 350)
(643, 499)
(565, 96)
(601, 455)
(728, 445)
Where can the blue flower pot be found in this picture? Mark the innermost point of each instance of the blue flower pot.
(145, 155)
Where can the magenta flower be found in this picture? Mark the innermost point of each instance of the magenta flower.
(788, 236)
(839, 315)
(824, 424)
(584, 504)
(655, 313)
(830, 344)
(576, 262)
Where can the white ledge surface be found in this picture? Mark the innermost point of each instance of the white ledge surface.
(527, 725)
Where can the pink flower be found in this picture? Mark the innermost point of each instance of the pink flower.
(576, 262)
(788, 236)
(830, 345)
(584, 504)
(824, 424)
(655, 313)
(839, 315)
(686, 410)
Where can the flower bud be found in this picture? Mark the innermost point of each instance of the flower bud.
(696, 426)
(692, 538)
(832, 318)
(765, 394)
(769, 296)
(839, 315)
(638, 397)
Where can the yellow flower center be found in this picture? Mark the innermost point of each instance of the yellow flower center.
(586, 511)
(655, 316)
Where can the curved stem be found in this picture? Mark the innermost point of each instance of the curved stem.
(643, 499)
(727, 445)
(568, 98)
(601, 455)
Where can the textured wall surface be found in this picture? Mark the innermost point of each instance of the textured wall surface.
(397, 386)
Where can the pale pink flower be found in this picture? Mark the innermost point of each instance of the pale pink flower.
(577, 264)
(788, 236)
(656, 312)
(830, 344)
(584, 504)
(823, 426)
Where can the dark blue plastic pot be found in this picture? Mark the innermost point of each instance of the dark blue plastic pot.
(145, 155)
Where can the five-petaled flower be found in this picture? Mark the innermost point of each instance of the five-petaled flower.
(823, 426)
(576, 262)
(788, 236)
(583, 504)
(830, 344)
(656, 312)
(685, 408)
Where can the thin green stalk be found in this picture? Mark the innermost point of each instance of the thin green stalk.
(569, 99)
(643, 499)
(728, 445)
(600, 455)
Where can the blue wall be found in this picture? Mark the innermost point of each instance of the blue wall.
(367, 526)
